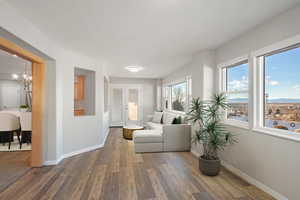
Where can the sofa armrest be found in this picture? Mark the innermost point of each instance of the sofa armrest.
(177, 137)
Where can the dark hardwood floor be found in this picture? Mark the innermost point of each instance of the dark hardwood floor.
(116, 172)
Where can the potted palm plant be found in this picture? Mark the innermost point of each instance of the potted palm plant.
(24, 108)
(210, 132)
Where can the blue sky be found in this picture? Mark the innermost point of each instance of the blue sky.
(282, 79)
(283, 73)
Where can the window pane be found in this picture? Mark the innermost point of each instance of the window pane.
(133, 99)
(166, 97)
(237, 78)
(179, 97)
(282, 90)
(238, 107)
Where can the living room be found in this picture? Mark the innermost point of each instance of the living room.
(160, 99)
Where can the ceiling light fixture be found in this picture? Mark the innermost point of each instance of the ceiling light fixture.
(134, 68)
(15, 76)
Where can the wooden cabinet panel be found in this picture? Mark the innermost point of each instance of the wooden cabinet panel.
(79, 87)
(79, 112)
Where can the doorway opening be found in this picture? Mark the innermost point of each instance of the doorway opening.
(127, 106)
(22, 104)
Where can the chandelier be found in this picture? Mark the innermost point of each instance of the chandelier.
(26, 79)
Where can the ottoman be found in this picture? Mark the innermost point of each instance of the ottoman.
(148, 141)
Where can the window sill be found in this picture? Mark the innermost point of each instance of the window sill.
(237, 124)
(279, 133)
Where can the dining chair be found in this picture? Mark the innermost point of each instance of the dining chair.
(9, 124)
(26, 130)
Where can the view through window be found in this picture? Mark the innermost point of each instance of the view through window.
(237, 91)
(179, 96)
(282, 90)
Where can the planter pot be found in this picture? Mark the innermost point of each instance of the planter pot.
(209, 167)
(23, 109)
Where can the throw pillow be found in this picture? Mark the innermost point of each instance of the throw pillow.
(177, 120)
(169, 118)
(157, 117)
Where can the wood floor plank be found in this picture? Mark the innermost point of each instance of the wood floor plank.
(157, 185)
(116, 172)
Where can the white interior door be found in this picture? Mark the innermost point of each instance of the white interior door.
(117, 106)
(133, 107)
(126, 105)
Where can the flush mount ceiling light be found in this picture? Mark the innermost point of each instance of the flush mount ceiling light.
(15, 76)
(134, 68)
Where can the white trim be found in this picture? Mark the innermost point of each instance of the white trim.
(222, 87)
(253, 181)
(236, 123)
(233, 61)
(277, 46)
(74, 153)
(174, 82)
(248, 178)
(168, 86)
(257, 82)
(288, 135)
(105, 137)
(84, 150)
(52, 162)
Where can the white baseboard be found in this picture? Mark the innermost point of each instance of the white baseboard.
(74, 153)
(253, 181)
(105, 136)
(84, 150)
(248, 178)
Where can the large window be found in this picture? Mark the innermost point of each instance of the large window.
(178, 95)
(236, 87)
(274, 93)
(282, 89)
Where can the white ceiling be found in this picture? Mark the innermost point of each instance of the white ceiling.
(160, 35)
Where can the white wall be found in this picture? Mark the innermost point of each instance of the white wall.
(201, 69)
(65, 134)
(149, 92)
(272, 161)
(12, 94)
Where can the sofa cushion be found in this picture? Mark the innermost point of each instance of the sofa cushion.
(147, 136)
(168, 117)
(154, 126)
(157, 117)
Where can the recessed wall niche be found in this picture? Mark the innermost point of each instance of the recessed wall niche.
(84, 92)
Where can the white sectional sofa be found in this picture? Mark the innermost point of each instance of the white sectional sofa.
(165, 136)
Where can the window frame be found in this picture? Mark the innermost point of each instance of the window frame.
(256, 90)
(223, 88)
(259, 60)
(167, 88)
